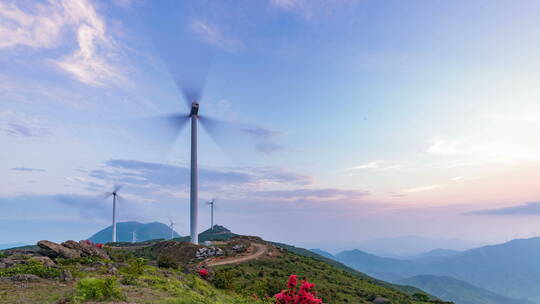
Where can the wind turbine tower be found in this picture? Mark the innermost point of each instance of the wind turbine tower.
(194, 212)
(115, 196)
(171, 225)
(211, 203)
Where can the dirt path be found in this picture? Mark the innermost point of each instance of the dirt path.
(258, 251)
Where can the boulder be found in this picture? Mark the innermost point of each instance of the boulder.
(46, 261)
(381, 300)
(24, 278)
(86, 249)
(66, 276)
(208, 252)
(53, 250)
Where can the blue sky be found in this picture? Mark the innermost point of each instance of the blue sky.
(353, 113)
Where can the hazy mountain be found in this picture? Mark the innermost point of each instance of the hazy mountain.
(511, 269)
(11, 245)
(397, 247)
(387, 269)
(457, 291)
(143, 232)
(323, 253)
(434, 255)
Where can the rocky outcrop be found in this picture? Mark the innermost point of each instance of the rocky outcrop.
(46, 261)
(86, 249)
(208, 252)
(381, 300)
(24, 278)
(53, 250)
(71, 249)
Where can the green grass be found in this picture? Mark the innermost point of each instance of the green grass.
(31, 267)
(266, 277)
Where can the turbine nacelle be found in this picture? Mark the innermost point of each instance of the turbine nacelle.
(194, 109)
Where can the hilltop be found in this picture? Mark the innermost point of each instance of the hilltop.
(143, 232)
(241, 269)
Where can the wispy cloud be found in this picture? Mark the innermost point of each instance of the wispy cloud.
(422, 188)
(312, 9)
(532, 208)
(213, 35)
(25, 169)
(378, 165)
(264, 139)
(17, 125)
(42, 26)
(313, 195)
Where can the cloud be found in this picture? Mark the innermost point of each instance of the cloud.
(377, 165)
(422, 188)
(212, 35)
(17, 125)
(24, 169)
(42, 26)
(312, 9)
(265, 139)
(532, 208)
(136, 172)
(327, 194)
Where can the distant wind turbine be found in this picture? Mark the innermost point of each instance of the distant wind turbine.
(171, 225)
(114, 194)
(133, 236)
(212, 205)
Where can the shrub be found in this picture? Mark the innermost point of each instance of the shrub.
(98, 289)
(136, 266)
(31, 267)
(166, 262)
(223, 279)
(80, 260)
(295, 295)
(421, 297)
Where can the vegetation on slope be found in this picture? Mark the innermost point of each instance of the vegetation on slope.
(265, 277)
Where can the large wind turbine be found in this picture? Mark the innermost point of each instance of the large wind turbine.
(114, 194)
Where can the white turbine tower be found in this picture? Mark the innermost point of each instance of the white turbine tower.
(212, 205)
(114, 194)
(171, 225)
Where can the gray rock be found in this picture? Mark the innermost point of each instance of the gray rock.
(112, 270)
(66, 276)
(86, 249)
(381, 300)
(46, 261)
(2, 265)
(208, 252)
(25, 278)
(53, 250)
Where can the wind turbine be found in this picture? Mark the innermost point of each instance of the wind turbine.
(114, 194)
(171, 225)
(211, 204)
(188, 63)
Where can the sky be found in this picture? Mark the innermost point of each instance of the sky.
(348, 120)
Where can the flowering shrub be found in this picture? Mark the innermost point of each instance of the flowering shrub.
(295, 295)
(203, 273)
(100, 246)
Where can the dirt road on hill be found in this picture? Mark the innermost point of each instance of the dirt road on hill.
(258, 251)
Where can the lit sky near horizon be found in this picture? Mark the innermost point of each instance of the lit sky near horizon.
(367, 118)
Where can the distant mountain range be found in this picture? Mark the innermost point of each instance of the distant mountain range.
(457, 291)
(11, 245)
(143, 232)
(397, 247)
(511, 269)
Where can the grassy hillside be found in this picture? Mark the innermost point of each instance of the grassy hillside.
(124, 230)
(458, 291)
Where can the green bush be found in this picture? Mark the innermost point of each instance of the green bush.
(80, 260)
(129, 280)
(31, 267)
(223, 279)
(422, 297)
(119, 255)
(166, 262)
(98, 289)
(136, 266)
